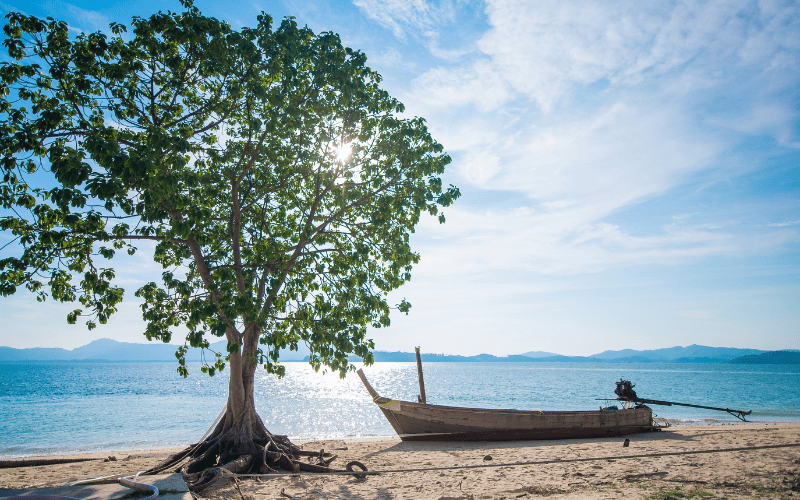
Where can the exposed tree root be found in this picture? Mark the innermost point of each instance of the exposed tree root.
(243, 445)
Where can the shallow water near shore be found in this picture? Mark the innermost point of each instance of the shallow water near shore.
(63, 408)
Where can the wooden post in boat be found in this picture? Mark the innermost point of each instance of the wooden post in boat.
(421, 398)
(370, 390)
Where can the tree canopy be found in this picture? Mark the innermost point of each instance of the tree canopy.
(278, 179)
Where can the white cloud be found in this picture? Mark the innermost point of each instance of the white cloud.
(572, 241)
(399, 15)
(544, 48)
(88, 20)
(773, 119)
(588, 110)
(781, 23)
(480, 85)
(390, 57)
(783, 224)
(548, 49)
(619, 155)
(448, 54)
(615, 157)
(480, 166)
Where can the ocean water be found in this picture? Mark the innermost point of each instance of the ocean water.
(63, 408)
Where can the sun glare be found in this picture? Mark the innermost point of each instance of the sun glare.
(343, 153)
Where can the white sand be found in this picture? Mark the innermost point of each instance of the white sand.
(766, 473)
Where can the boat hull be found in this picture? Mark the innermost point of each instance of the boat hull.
(424, 422)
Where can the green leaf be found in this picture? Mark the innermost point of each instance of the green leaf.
(266, 237)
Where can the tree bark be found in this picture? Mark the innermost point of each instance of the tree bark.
(241, 391)
(240, 442)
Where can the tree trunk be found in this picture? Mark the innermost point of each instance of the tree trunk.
(241, 421)
(240, 442)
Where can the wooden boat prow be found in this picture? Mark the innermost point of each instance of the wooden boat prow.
(426, 422)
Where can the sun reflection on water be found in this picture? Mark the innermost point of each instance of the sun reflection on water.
(85, 407)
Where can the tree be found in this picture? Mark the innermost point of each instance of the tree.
(272, 171)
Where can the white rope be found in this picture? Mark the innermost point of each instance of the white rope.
(125, 481)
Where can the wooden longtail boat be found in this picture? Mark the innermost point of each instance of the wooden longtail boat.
(425, 422)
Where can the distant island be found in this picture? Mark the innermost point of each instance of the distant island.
(690, 354)
(113, 351)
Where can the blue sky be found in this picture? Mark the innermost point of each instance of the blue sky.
(630, 172)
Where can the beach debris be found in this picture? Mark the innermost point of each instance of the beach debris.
(626, 443)
(320, 458)
(36, 462)
(236, 483)
(355, 463)
(635, 477)
(112, 458)
(487, 457)
(661, 423)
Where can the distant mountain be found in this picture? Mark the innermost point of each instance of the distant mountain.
(558, 358)
(769, 358)
(539, 354)
(672, 354)
(35, 353)
(111, 350)
(397, 356)
(697, 360)
(691, 354)
(627, 359)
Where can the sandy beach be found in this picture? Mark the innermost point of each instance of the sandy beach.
(754, 473)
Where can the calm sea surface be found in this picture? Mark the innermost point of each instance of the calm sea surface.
(61, 408)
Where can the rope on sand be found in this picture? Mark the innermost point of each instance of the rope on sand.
(147, 488)
(513, 464)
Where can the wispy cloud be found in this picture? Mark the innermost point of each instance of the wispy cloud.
(784, 224)
(588, 110)
(88, 20)
(571, 242)
(610, 155)
(479, 84)
(10, 8)
(560, 44)
(401, 15)
(389, 57)
(443, 27)
(544, 49)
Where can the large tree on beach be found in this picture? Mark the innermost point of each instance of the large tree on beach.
(273, 173)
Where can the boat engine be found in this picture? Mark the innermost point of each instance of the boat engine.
(625, 390)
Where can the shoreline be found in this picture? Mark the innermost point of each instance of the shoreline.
(577, 468)
(674, 424)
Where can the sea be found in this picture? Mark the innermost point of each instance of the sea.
(79, 407)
